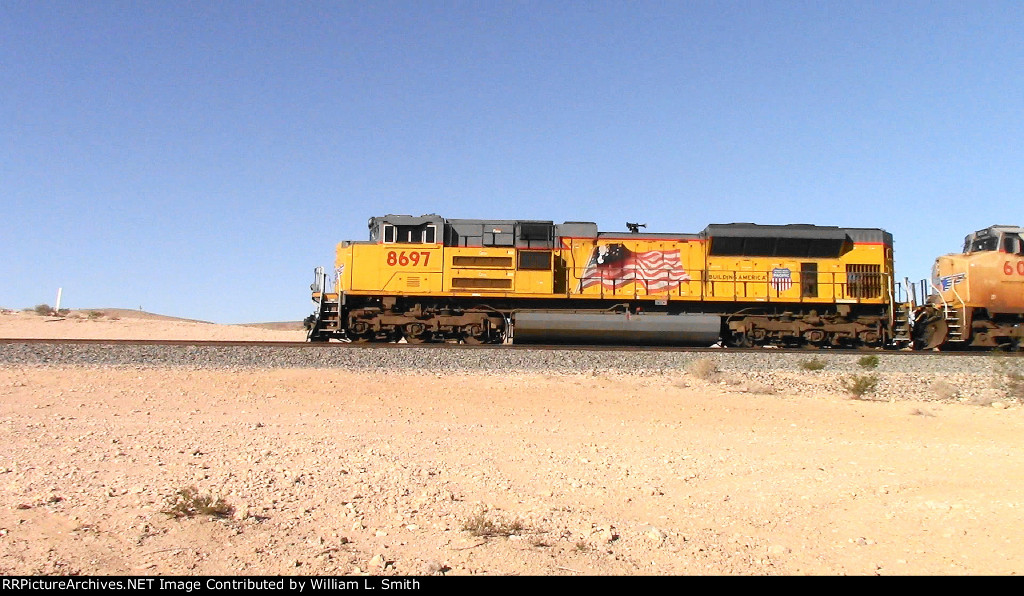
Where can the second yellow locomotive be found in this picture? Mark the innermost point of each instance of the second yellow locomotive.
(976, 297)
(428, 278)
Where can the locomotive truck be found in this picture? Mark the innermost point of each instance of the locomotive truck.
(431, 279)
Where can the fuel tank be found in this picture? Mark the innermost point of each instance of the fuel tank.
(617, 328)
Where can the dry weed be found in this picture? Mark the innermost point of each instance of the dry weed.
(703, 368)
(189, 503)
(481, 525)
(983, 400)
(945, 391)
(758, 387)
(1014, 385)
(1009, 378)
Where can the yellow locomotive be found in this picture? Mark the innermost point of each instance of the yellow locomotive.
(977, 296)
(428, 278)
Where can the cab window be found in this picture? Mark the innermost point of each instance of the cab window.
(423, 234)
(1012, 244)
(985, 244)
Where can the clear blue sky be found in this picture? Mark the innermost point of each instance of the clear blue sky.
(198, 159)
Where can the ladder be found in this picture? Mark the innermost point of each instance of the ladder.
(953, 322)
(326, 321)
(901, 308)
(953, 315)
(901, 323)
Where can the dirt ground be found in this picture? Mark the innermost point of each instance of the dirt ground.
(336, 472)
(119, 323)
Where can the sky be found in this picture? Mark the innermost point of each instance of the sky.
(199, 159)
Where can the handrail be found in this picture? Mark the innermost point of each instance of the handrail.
(938, 292)
(856, 286)
(892, 308)
(957, 294)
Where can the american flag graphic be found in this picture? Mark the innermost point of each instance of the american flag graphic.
(951, 280)
(782, 279)
(613, 266)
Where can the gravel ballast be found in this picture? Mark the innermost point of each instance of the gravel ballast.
(978, 378)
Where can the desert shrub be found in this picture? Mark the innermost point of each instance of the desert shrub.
(96, 314)
(860, 385)
(482, 525)
(983, 399)
(1007, 376)
(1014, 384)
(188, 502)
(758, 387)
(813, 364)
(703, 369)
(945, 391)
(870, 361)
(43, 309)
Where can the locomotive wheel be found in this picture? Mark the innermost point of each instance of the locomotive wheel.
(416, 334)
(741, 339)
(474, 336)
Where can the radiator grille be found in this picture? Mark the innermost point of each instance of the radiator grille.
(482, 283)
(864, 281)
(505, 262)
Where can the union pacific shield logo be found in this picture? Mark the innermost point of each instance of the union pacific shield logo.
(782, 278)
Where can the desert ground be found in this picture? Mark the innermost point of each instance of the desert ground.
(146, 471)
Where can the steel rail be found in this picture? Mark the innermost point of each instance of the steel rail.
(455, 346)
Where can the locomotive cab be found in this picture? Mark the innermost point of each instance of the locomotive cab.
(1004, 239)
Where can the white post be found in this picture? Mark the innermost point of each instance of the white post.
(56, 309)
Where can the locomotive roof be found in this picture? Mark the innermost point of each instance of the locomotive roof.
(793, 240)
(646, 236)
(406, 220)
(798, 231)
(994, 230)
(731, 230)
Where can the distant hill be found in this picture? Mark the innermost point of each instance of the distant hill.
(128, 313)
(277, 326)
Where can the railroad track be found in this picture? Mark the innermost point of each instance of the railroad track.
(490, 347)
